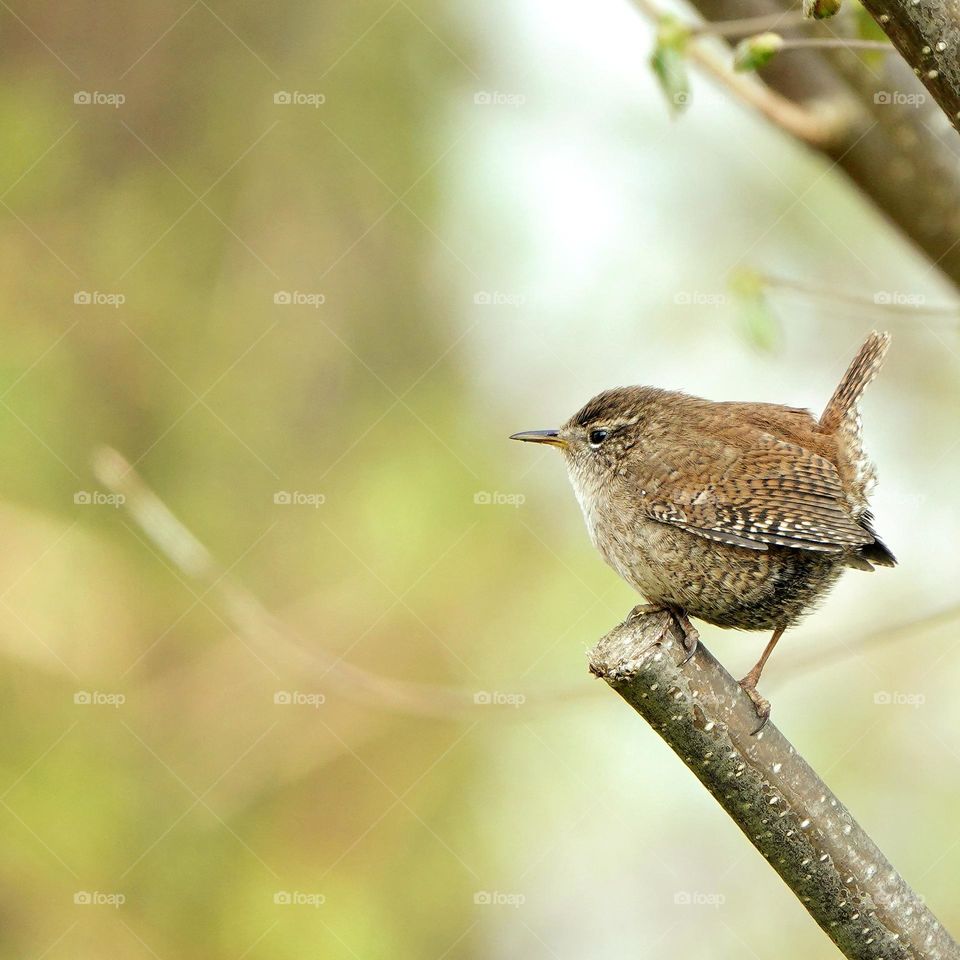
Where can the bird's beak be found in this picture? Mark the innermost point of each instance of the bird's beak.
(540, 436)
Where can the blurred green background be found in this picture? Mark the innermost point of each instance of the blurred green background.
(306, 277)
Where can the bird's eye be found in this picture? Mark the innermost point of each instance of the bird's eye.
(597, 437)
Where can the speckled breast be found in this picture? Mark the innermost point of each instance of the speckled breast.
(725, 585)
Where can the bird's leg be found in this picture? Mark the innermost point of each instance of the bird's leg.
(749, 683)
(691, 636)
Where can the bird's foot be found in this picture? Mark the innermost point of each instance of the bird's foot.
(691, 636)
(749, 686)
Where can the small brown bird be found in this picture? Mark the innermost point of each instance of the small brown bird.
(740, 514)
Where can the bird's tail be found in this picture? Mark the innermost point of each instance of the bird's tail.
(842, 407)
(841, 418)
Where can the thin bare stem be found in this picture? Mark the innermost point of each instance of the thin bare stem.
(862, 301)
(836, 43)
(819, 124)
(817, 657)
(274, 640)
(746, 25)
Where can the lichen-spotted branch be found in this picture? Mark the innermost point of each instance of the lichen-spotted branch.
(773, 795)
(897, 145)
(927, 34)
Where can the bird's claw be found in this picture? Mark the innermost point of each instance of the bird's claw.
(643, 609)
(691, 636)
(760, 704)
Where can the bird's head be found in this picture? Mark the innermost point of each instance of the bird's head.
(597, 439)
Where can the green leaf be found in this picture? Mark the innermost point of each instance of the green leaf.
(755, 318)
(753, 52)
(745, 282)
(668, 62)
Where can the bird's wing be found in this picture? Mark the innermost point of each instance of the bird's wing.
(758, 490)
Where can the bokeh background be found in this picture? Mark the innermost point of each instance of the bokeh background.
(305, 267)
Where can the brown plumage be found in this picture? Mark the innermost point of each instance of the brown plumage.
(740, 514)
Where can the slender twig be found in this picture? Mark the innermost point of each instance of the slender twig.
(818, 657)
(773, 795)
(860, 300)
(836, 43)
(277, 641)
(819, 124)
(747, 25)
(247, 614)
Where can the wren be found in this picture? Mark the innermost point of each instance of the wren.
(740, 514)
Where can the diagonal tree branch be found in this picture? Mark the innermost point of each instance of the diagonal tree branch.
(897, 146)
(774, 796)
(927, 34)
